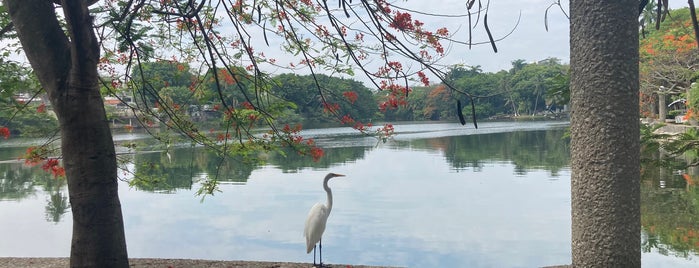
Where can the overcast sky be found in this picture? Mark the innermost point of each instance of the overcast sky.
(530, 41)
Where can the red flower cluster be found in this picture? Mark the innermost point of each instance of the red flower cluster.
(34, 155)
(347, 119)
(361, 127)
(423, 78)
(51, 165)
(305, 146)
(396, 96)
(443, 31)
(395, 65)
(222, 137)
(37, 155)
(331, 107)
(5, 132)
(386, 132)
(402, 21)
(288, 130)
(385, 7)
(248, 105)
(316, 153)
(252, 117)
(388, 129)
(350, 95)
(41, 108)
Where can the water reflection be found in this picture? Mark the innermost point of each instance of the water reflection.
(436, 196)
(179, 168)
(527, 150)
(18, 182)
(670, 210)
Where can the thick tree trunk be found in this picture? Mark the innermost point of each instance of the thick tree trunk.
(68, 72)
(605, 133)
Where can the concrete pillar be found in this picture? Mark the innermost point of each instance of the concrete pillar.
(604, 144)
(662, 107)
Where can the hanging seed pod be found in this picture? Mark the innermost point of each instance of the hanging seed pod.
(460, 113)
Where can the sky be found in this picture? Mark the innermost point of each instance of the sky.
(530, 41)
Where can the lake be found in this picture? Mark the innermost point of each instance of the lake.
(437, 195)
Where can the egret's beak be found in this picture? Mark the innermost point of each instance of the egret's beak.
(339, 175)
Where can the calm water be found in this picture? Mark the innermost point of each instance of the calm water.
(438, 195)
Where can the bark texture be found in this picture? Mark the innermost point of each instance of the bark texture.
(605, 134)
(67, 69)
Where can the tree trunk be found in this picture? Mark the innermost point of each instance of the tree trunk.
(605, 134)
(67, 68)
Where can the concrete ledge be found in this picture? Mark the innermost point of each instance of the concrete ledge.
(10, 262)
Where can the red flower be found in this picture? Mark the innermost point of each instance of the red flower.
(316, 153)
(221, 137)
(397, 66)
(51, 165)
(423, 78)
(59, 172)
(248, 105)
(330, 107)
(443, 31)
(350, 95)
(287, 129)
(5, 132)
(42, 108)
(252, 117)
(34, 156)
(347, 119)
(402, 21)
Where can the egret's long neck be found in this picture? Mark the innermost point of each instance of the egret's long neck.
(329, 192)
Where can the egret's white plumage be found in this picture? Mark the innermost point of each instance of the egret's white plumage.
(317, 218)
(315, 225)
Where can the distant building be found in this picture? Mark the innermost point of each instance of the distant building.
(26, 98)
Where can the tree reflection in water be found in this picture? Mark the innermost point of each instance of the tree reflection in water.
(18, 182)
(669, 198)
(670, 208)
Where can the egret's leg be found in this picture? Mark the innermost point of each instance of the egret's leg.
(314, 256)
(320, 251)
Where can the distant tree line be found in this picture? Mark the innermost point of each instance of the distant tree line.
(526, 89)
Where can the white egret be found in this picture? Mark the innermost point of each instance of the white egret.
(315, 223)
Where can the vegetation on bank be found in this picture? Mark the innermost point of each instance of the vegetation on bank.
(525, 90)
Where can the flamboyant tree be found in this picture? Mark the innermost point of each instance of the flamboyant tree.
(669, 59)
(77, 47)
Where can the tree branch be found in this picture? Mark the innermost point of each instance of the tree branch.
(84, 47)
(6, 29)
(49, 59)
